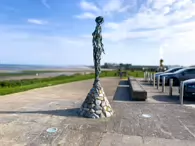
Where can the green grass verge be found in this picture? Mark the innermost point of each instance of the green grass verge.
(137, 74)
(14, 86)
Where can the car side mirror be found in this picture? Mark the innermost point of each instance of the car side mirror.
(183, 73)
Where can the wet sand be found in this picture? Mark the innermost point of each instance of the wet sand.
(49, 74)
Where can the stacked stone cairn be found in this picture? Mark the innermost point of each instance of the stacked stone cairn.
(96, 105)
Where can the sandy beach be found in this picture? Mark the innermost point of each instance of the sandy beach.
(58, 72)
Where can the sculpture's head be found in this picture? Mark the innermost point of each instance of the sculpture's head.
(99, 20)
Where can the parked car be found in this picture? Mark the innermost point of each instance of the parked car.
(189, 89)
(180, 75)
(171, 70)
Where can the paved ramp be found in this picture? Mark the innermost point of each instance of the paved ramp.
(122, 92)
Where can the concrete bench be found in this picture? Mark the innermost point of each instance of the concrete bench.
(136, 90)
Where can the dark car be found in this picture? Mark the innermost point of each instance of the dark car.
(180, 75)
(171, 70)
(189, 89)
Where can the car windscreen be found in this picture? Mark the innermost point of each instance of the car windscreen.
(181, 70)
(169, 70)
(172, 70)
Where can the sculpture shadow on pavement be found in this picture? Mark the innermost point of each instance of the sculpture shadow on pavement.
(72, 112)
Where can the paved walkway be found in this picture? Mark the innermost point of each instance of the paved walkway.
(157, 96)
(25, 117)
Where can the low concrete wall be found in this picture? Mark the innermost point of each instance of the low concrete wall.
(136, 90)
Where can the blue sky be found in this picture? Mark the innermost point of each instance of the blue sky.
(58, 32)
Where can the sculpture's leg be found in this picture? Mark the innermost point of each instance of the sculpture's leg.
(95, 65)
(98, 67)
(98, 64)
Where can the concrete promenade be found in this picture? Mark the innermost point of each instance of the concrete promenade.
(25, 118)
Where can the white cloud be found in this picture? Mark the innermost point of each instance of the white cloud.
(87, 6)
(162, 26)
(166, 10)
(36, 21)
(45, 3)
(170, 22)
(115, 6)
(112, 25)
(159, 4)
(182, 4)
(106, 9)
(86, 15)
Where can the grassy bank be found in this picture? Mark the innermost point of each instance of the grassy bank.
(13, 86)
